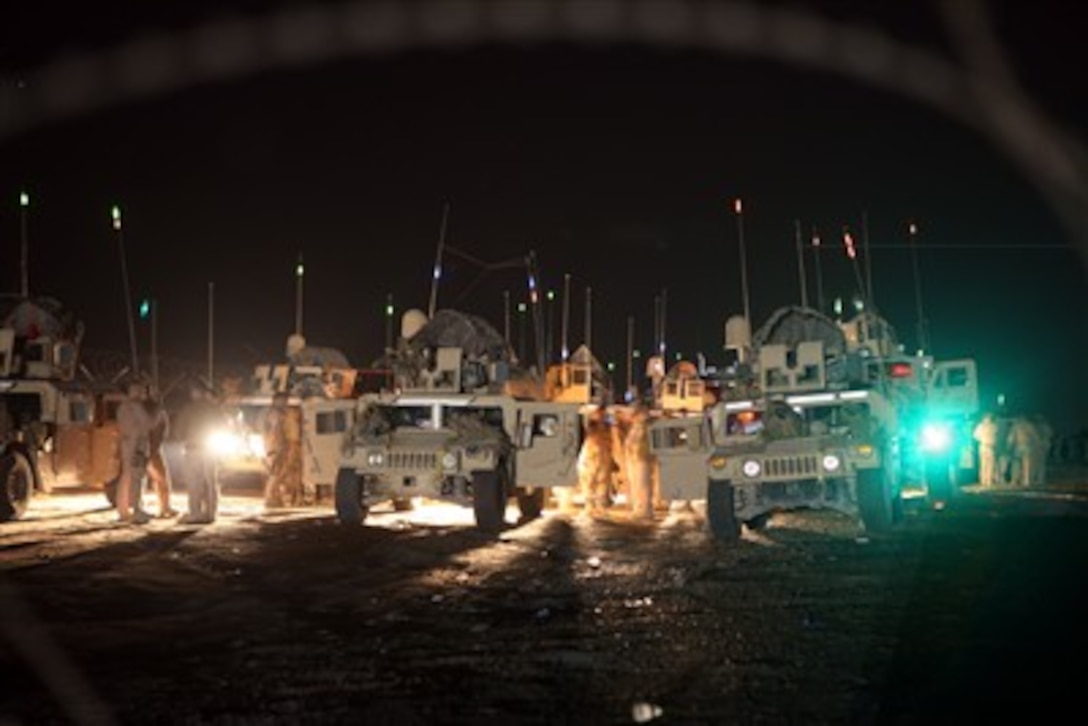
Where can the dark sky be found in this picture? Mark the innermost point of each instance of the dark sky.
(615, 161)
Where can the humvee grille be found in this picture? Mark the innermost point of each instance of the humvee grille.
(411, 460)
(791, 466)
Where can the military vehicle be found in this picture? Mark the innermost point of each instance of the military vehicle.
(816, 414)
(462, 423)
(321, 386)
(54, 430)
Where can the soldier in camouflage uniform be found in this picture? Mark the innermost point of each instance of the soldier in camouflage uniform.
(283, 444)
(595, 463)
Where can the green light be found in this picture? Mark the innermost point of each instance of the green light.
(838, 306)
(24, 199)
(145, 308)
(611, 366)
(551, 295)
(636, 353)
(521, 307)
(115, 213)
(389, 311)
(678, 356)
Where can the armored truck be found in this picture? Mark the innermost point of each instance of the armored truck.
(54, 431)
(460, 425)
(820, 415)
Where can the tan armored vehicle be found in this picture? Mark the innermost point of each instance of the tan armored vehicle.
(54, 431)
(818, 417)
(455, 430)
(319, 386)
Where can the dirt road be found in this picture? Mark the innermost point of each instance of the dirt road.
(416, 618)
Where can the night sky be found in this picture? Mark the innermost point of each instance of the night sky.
(615, 161)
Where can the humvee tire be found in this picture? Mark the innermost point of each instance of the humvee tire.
(349, 498)
(875, 506)
(489, 500)
(721, 515)
(16, 485)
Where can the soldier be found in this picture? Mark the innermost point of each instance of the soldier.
(640, 464)
(156, 466)
(190, 459)
(595, 462)
(283, 447)
(1005, 469)
(1029, 439)
(134, 427)
(985, 434)
(618, 428)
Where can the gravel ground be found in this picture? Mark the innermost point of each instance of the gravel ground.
(288, 617)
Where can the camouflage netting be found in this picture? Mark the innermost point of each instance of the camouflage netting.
(454, 329)
(32, 317)
(792, 325)
(319, 356)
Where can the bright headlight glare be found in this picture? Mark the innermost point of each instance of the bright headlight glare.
(256, 446)
(222, 442)
(449, 461)
(936, 437)
(375, 458)
(831, 462)
(751, 468)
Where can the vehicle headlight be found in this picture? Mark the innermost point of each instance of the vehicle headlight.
(751, 468)
(936, 437)
(375, 458)
(256, 446)
(449, 461)
(223, 442)
(831, 462)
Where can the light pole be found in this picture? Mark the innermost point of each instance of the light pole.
(738, 209)
(565, 350)
(300, 272)
(24, 277)
(436, 273)
(149, 310)
(115, 214)
(801, 262)
(630, 356)
(521, 333)
(388, 322)
(211, 334)
(589, 318)
(819, 272)
(549, 346)
(923, 344)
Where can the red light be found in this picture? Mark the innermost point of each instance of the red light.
(901, 370)
(848, 240)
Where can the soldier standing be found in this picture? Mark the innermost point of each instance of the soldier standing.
(640, 464)
(985, 434)
(190, 459)
(134, 427)
(156, 466)
(595, 462)
(283, 446)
